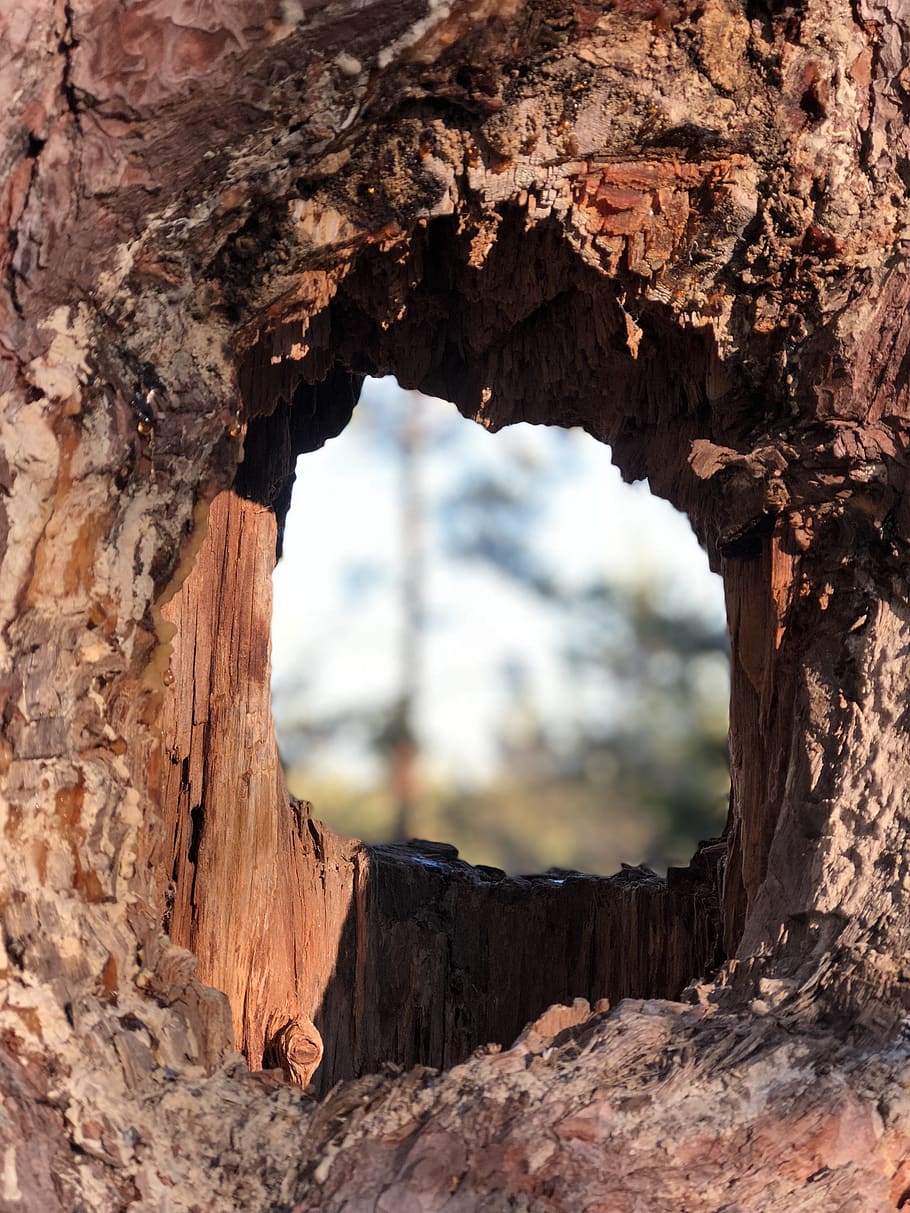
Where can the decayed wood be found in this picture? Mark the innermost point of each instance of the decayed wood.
(681, 225)
(252, 887)
(438, 957)
(758, 585)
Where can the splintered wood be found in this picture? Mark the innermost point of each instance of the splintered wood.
(638, 213)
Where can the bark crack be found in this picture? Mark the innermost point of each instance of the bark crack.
(66, 46)
(34, 148)
(197, 817)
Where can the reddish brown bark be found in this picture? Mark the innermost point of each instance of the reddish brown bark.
(682, 226)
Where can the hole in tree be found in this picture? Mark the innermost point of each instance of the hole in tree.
(398, 953)
(489, 639)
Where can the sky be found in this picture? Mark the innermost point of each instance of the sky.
(336, 622)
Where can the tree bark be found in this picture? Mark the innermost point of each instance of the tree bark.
(682, 226)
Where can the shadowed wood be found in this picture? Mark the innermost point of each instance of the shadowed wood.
(439, 957)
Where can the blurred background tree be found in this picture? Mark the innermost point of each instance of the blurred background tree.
(599, 724)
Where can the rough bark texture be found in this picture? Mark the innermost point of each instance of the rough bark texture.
(681, 225)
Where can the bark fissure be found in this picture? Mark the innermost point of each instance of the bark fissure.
(67, 45)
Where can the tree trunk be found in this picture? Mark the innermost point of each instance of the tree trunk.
(680, 225)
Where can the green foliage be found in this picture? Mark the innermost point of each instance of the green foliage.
(664, 754)
(642, 780)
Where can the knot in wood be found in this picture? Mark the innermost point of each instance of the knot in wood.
(295, 1049)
